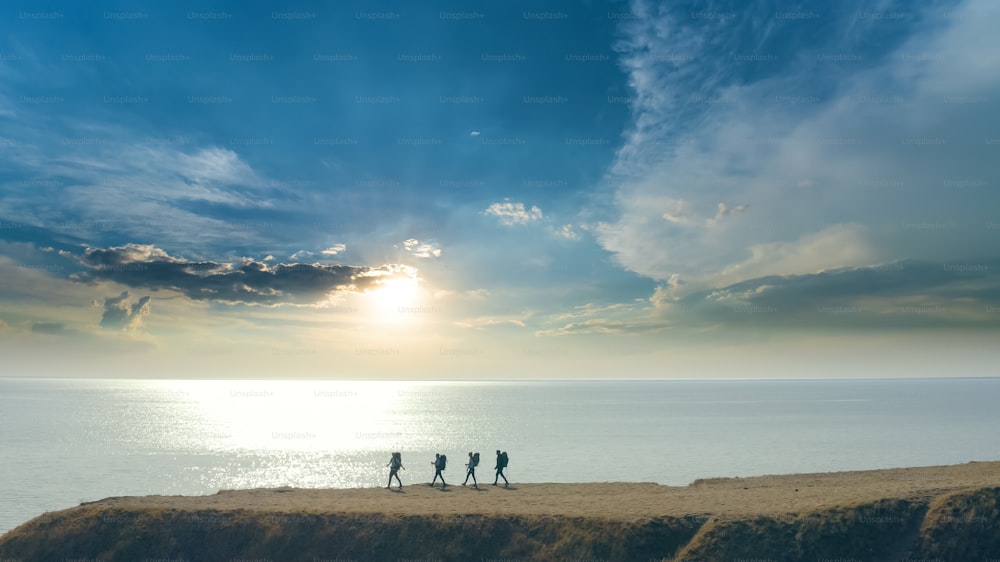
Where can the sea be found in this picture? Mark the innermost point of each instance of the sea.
(67, 441)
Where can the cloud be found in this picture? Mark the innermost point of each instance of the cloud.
(215, 165)
(828, 249)
(418, 250)
(568, 232)
(309, 254)
(602, 326)
(675, 211)
(116, 183)
(119, 314)
(832, 163)
(590, 309)
(617, 318)
(335, 249)
(679, 212)
(480, 322)
(513, 213)
(907, 294)
(724, 210)
(248, 282)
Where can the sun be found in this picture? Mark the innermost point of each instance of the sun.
(396, 298)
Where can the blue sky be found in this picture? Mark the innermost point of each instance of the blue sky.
(565, 189)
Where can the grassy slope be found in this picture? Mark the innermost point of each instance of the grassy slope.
(958, 526)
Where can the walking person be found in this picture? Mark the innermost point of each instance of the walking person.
(473, 463)
(439, 462)
(501, 464)
(395, 464)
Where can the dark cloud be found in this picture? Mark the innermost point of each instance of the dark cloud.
(905, 294)
(119, 314)
(893, 296)
(249, 282)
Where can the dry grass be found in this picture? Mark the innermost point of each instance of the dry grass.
(962, 526)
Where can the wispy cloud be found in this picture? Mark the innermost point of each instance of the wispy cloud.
(757, 149)
(591, 319)
(590, 309)
(481, 322)
(590, 326)
(129, 189)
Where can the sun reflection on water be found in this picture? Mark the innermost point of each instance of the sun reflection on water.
(302, 416)
(201, 436)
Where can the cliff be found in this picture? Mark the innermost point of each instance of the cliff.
(943, 513)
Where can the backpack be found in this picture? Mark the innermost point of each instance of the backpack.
(475, 460)
(503, 459)
(442, 462)
(396, 462)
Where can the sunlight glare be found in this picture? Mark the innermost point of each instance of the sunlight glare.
(306, 416)
(396, 299)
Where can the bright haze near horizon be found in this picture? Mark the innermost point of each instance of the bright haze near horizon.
(499, 190)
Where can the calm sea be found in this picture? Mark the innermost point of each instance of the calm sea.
(66, 441)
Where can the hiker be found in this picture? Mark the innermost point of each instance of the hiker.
(473, 463)
(439, 462)
(395, 464)
(501, 464)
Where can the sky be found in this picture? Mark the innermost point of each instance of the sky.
(484, 190)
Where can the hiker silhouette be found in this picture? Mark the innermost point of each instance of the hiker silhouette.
(501, 464)
(395, 464)
(472, 464)
(439, 462)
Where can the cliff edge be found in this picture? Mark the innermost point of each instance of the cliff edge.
(942, 513)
